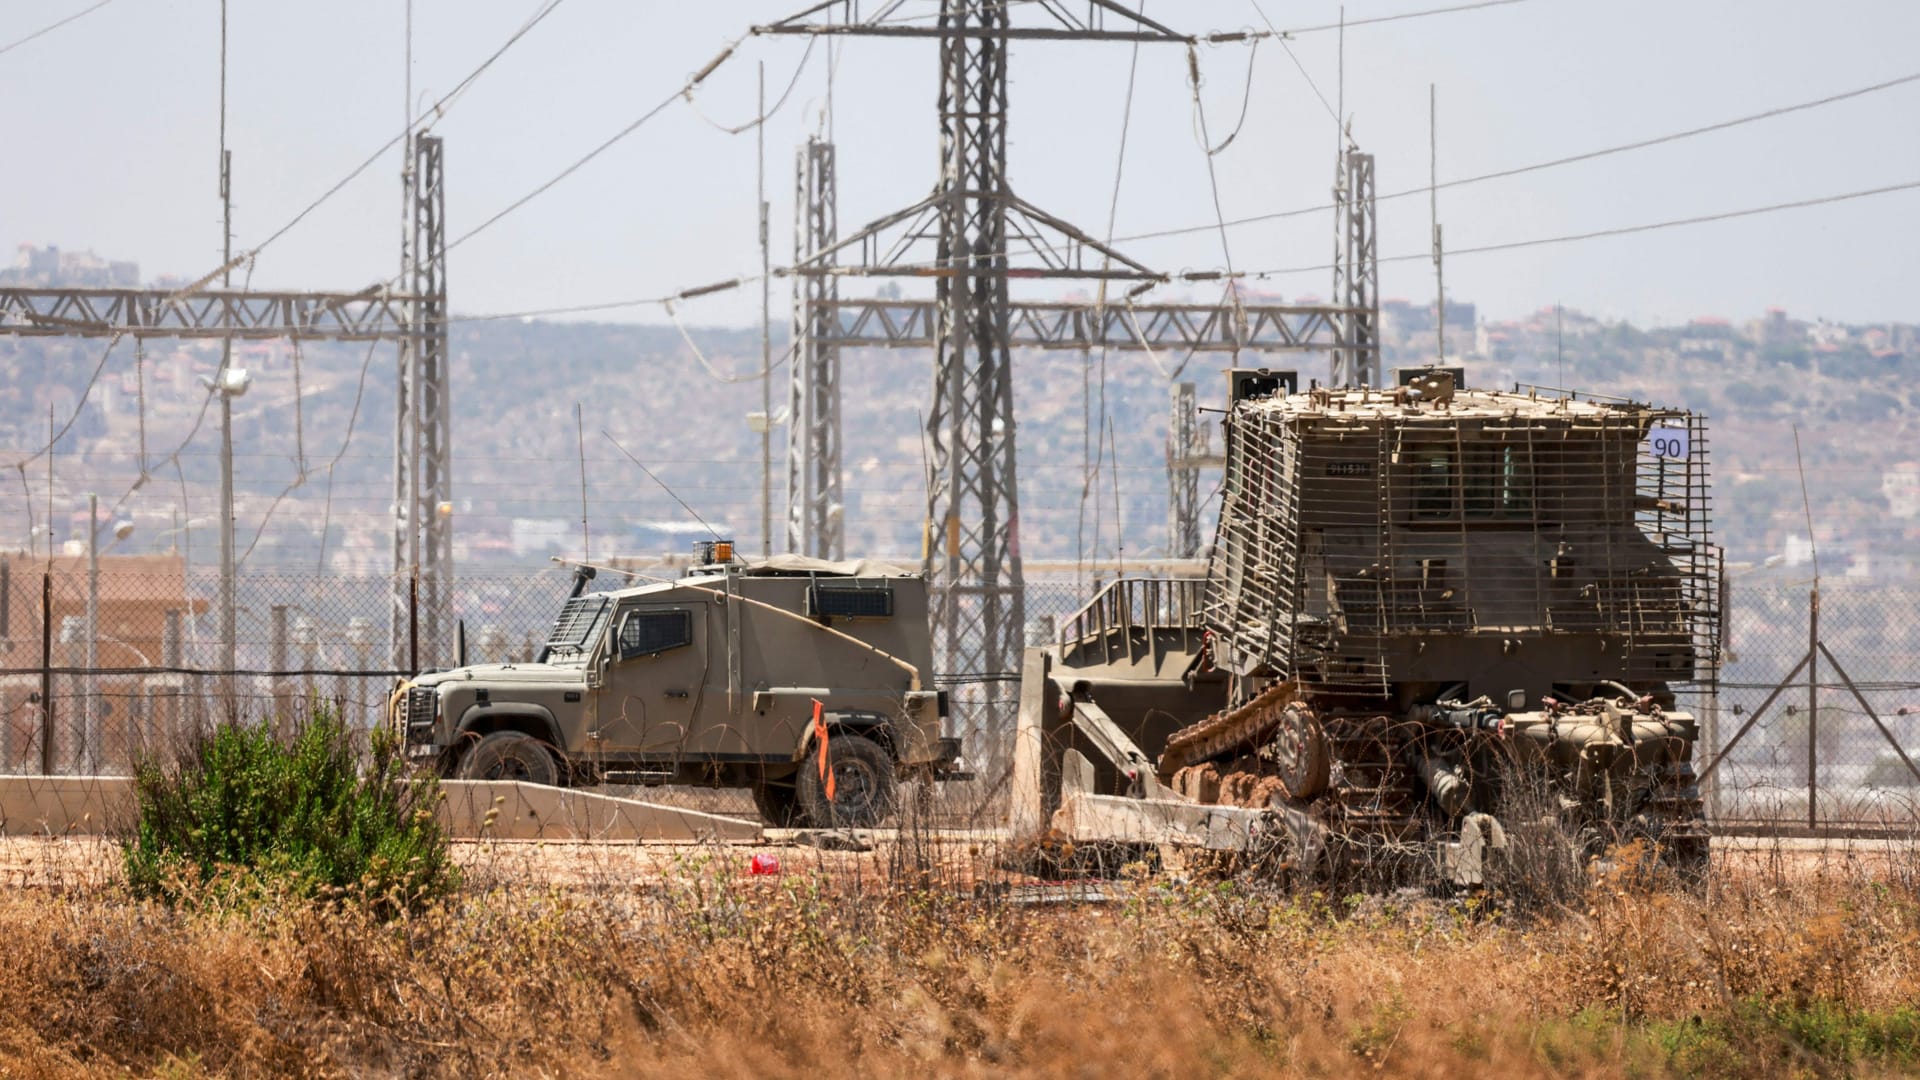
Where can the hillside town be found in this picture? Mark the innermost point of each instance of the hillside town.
(316, 501)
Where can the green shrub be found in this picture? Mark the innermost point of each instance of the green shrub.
(314, 818)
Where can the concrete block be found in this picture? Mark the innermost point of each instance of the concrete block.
(66, 805)
(536, 812)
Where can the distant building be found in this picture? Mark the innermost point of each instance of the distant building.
(1707, 337)
(1799, 550)
(49, 266)
(1776, 329)
(1901, 486)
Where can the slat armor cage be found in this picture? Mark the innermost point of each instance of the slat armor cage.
(1372, 541)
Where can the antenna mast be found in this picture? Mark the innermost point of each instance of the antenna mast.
(1433, 204)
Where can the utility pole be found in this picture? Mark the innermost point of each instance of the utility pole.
(766, 327)
(220, 380)
(1433, 200)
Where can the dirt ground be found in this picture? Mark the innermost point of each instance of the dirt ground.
(959, 859)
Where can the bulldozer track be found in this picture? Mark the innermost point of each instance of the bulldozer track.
(1223, 732)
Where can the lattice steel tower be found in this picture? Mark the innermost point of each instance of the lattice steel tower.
(422, 446)
(1356, 276)
(1183, 472)
(815, 494)
(980, 229)
(972, 548)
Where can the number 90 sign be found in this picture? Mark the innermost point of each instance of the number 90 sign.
(1669, 442)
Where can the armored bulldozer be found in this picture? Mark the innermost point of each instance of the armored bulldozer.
(1420, 600)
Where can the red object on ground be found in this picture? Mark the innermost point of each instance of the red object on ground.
(763, 864)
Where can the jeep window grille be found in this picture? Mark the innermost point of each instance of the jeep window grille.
(419, 706)
(644, 633)
(850, 601)
(578, 624)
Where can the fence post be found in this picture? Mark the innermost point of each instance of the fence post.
(413, 624)
(46, 674)
(277, 660)
(1813, 705)
(164, 726)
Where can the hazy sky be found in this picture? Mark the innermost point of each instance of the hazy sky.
(113, 123)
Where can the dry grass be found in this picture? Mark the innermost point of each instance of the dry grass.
(1801, 965)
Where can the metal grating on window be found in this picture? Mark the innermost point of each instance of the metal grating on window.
(850, 602)
(647, 632)
(578, 621)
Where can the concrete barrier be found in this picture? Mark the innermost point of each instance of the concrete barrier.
(65, 805)
(472, 810)
(511, 810)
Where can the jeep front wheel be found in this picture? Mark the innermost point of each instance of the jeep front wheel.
(863, 783)
(510, 755)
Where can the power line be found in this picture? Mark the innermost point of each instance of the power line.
(52, 27)
(1246, 100)
(1500, 174)
(685, 91)
(737, 129)
(1350, 23)
(1625, 230)
(353, 421)
(437, 110)
(1277, 271)
(1311, 85)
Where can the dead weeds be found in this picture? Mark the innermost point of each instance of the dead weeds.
(702, 968)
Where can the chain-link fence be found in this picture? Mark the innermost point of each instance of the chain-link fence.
(1778, 748)
(1816, 741)
(98, 668)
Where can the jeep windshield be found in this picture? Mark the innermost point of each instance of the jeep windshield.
(577, 627)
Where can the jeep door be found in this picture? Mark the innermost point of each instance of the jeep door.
(657, 676)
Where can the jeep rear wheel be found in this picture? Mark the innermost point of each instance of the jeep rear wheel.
(510, 755)
(863, 782)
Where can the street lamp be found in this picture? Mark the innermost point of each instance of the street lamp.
(181, 530)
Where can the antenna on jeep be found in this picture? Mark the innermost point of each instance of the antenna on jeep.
(663, 486)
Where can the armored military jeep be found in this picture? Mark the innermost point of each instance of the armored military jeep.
(806, 681)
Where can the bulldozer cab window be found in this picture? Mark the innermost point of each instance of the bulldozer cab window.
(1498, 482)
(1432, 484)
(649, 633)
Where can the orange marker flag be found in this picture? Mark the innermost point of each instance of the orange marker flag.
(820, 732)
